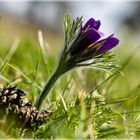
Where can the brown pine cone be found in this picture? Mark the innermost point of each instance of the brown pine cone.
(14, 106)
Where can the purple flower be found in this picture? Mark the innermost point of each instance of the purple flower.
(89, 37)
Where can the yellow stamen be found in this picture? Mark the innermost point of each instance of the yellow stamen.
(86, 28)
(91, 45)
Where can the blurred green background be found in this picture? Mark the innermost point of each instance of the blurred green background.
(21, 21)
(31, 37)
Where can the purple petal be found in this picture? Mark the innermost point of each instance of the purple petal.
(91, 23)
(93, 35)
(108, 44)
(96, 24)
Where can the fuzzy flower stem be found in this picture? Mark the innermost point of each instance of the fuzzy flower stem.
(59, 70)
(47, 88)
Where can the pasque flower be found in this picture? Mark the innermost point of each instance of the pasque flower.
(88, 41)
(83, 47)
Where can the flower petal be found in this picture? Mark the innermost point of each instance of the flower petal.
(90, 37)
(96, 24)
(91, 23)
(93, 35)
(108, 44)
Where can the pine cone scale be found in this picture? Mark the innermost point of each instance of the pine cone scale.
(13, 100)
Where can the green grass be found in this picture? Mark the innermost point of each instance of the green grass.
(112, 110)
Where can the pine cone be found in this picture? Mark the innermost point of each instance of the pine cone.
(14, 106)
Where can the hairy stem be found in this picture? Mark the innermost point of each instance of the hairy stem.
(60, 69)
(47, 88)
